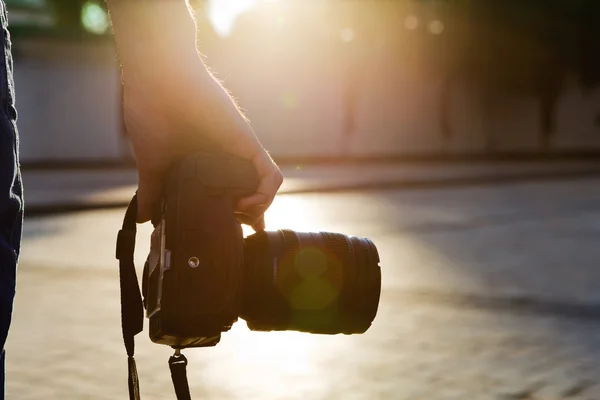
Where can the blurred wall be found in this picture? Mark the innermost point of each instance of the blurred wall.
(67, 96)
(314, 80)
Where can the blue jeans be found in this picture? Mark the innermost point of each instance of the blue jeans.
(11, 190)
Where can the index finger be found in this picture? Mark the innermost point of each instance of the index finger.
(253, 200)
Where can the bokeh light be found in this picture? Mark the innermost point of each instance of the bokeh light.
(411, 22)
(347, 34)
(94, 18)
(289, 101)
(436, 27)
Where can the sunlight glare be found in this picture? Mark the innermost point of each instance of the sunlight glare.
(224, 13)
(290, 212)
(290, 352)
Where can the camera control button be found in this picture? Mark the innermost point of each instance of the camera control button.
(193, 262)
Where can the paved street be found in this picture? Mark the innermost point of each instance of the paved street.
(489, 292)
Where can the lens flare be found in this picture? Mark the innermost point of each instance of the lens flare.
(310, 262)
(313, 293)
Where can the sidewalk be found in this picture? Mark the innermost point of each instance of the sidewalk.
(53, 191)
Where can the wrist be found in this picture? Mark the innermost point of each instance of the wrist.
(170, 75)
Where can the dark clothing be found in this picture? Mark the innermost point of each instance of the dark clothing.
(11, 190)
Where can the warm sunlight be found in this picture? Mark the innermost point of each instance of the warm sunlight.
(223, 13)
(275, 365)
(291, 212)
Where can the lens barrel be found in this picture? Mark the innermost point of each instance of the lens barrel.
(325, 283)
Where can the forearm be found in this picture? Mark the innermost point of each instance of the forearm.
(151, 34)
(156, 42)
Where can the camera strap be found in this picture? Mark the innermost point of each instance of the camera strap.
(132, 310)
(177, 365)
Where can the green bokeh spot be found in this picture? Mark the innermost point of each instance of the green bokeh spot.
(94, 18)
(290, 101)
(313, 294)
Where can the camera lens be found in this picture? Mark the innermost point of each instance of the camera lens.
(323, 282)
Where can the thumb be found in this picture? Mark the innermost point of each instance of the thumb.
(149, 191)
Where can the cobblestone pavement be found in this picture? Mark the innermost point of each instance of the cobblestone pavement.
(489, 293)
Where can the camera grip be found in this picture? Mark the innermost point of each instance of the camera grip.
(220, 173)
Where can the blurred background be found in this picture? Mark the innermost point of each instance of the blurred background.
(461, 136)
(333, 78)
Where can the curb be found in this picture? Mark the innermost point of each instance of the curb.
(441, 183)
(40, 210)
(381, 158)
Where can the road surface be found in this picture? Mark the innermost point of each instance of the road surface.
(489, 292)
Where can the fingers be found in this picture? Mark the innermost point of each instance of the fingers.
(257, 223)
(253, 201)
(260, 224)
(251, 209)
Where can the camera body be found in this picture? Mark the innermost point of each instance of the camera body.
(201, 274)
(193, 275)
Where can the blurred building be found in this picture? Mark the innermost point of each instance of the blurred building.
(67, 81)
(324, 77)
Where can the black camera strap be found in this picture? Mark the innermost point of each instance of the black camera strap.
(132, 309)
(177, 365)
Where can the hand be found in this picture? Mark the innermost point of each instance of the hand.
(251, 210)
(186, 111)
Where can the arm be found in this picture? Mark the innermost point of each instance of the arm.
(173, 104)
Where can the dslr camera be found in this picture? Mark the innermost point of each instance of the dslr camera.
(202, 274)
